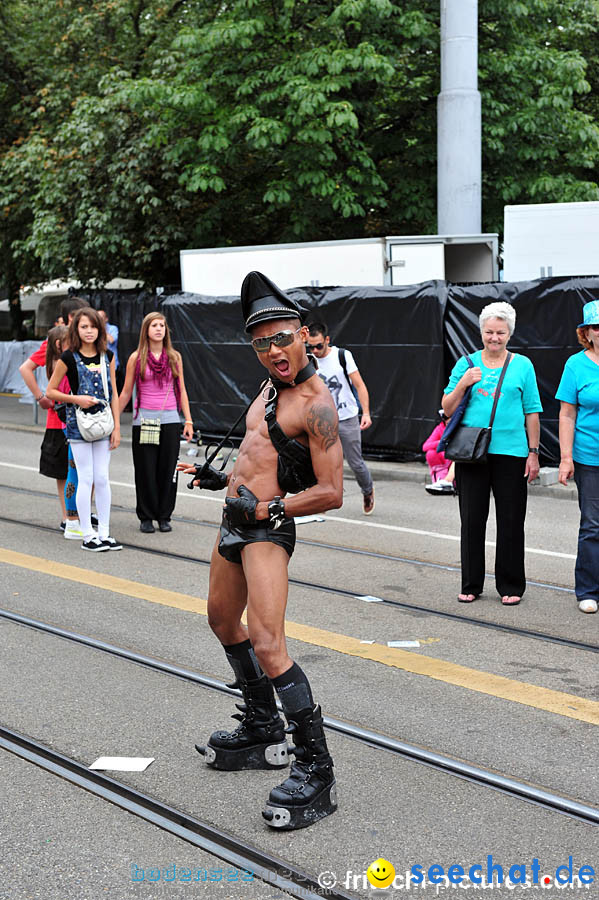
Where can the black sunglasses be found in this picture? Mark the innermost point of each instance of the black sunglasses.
(280, 339)
(318, 346)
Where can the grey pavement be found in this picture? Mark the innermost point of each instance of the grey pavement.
(87, 704)
(389, 807)
(61, 843)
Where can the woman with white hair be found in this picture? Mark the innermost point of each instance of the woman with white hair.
(512, 459)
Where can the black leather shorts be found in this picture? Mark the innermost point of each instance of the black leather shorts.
(233, 538)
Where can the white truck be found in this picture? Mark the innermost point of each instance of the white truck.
(544, 239)
(219, 271)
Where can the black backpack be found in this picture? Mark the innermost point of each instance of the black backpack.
(352, 386)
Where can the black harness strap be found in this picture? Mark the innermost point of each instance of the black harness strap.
(284, 445)
(295, 470)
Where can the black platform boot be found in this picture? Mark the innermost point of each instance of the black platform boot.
(259, 742)
(310, 792)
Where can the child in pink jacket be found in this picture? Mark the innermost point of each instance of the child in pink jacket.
(439, 466)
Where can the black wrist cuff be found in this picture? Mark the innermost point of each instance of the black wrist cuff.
(276, 512)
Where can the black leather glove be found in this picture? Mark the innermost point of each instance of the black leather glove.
(210, 479)
(242, 510)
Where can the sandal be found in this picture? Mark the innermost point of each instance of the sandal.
(510, 601)
(467, 598)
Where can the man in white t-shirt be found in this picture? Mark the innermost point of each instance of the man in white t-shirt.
(339, 372)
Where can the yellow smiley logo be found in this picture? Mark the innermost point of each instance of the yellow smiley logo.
(380, 873)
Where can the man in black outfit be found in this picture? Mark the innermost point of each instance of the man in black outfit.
(291, 444)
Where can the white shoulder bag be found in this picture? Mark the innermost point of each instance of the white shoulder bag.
(100, 424)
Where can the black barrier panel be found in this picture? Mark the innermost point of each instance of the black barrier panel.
(405, 341)
(222, 373)
(547, 313)
(126, 310)
(395, 334)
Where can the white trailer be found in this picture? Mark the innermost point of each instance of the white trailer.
(219, 271)
(544, 239)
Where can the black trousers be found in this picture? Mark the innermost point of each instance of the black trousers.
(504, 475)
(154, 470)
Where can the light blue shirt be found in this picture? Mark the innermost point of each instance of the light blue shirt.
(519, 397)
(580, 387)
(113, 331)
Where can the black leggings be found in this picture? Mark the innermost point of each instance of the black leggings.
(155, 464)
(504, 475)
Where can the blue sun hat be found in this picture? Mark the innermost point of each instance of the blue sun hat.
(590, 312)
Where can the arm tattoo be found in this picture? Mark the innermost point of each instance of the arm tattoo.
(323, 423)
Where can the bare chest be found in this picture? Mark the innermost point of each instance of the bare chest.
(290, 416)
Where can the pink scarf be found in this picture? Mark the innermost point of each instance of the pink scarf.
(161, 372)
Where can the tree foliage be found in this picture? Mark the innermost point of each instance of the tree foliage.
(132, 129)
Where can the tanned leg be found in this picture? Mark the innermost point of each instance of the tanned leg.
(309, 793)
(227, 597)
(265, 568)
(259, 741)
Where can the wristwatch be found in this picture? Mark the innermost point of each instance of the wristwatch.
(533, 450)
(276, 512)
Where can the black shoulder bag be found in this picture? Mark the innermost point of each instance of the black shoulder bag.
(469, 444)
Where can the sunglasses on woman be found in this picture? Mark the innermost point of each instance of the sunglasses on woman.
(280, 339)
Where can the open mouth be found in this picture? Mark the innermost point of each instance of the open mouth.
(283, 368)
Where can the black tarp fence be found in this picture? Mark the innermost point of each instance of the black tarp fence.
(405, 340)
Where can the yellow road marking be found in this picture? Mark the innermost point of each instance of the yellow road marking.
(104, 582)
(558, 702)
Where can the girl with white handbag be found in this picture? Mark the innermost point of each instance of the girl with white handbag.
(93, 421)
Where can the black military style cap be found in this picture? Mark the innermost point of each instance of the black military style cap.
(262, 300)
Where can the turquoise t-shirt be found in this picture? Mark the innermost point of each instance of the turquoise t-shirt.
(580, 387)
(519, 397)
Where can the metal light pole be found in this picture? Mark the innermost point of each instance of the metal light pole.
(459, 121)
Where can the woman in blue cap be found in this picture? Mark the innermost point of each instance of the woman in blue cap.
(578, 394)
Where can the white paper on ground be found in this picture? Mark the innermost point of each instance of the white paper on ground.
(403, 643)
(123, 763)
(367, 598)
(303, 520)
(367, 642)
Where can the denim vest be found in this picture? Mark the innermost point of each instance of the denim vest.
(90, 382)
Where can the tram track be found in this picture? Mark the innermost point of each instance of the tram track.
(274, 871)
(324, 545)
(531, 793)
(544, 636)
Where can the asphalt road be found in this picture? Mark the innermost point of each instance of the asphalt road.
(520, 706)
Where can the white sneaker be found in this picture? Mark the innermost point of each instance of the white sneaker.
(72, 530)
(111, 543)
(588, 605)
(95, 545)
(440, 487)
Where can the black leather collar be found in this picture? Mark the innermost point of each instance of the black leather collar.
(307, 372)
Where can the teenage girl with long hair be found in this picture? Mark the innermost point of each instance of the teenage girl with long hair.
(156, 371)
(82, 363)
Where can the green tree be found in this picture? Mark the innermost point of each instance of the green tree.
(78, 181)
(540, 138)
(147, 126)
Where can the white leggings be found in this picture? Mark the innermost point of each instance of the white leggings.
(92, 460)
